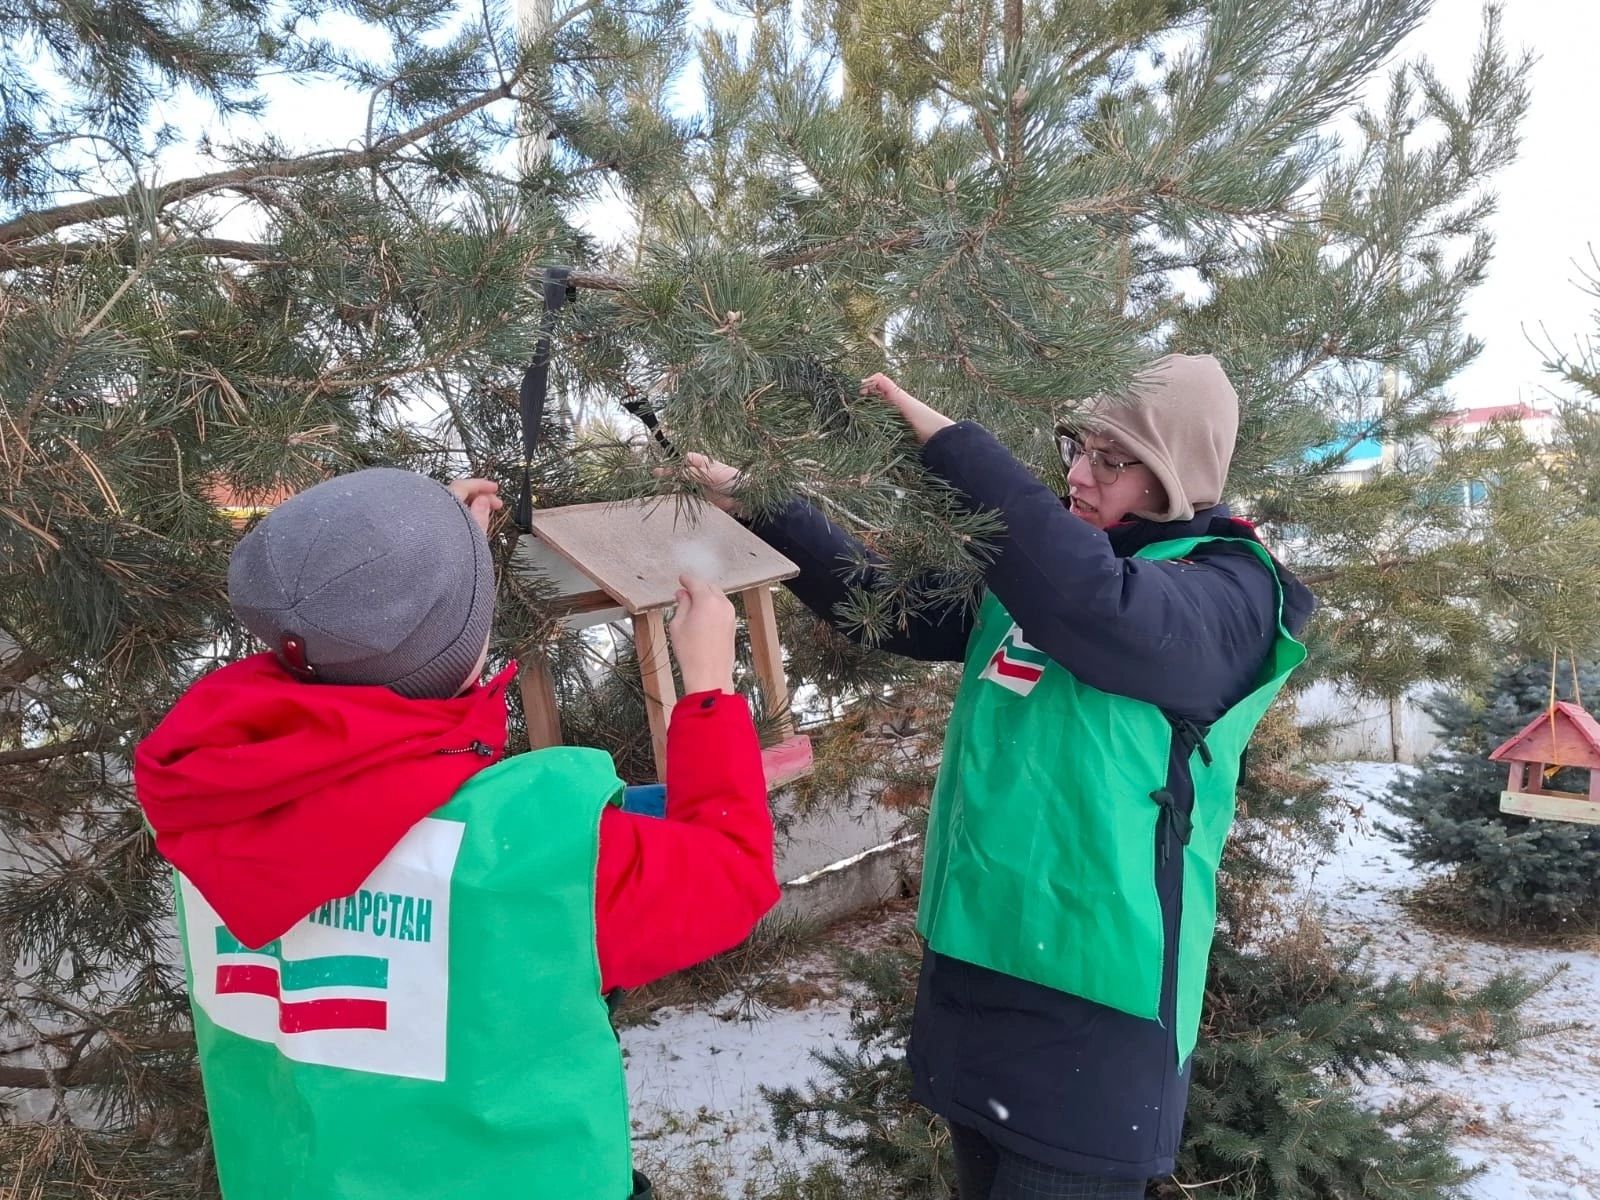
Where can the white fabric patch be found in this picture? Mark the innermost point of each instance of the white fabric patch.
(362, 983)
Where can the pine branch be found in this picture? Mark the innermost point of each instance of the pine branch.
(1315, 578)
(22, 668)
(1013, 27)
(1369, 430)
(35, 754)
(1018, 98)
(98, 1067)
(50, 253)
(100, 208)
(66, 253)
(907, 240)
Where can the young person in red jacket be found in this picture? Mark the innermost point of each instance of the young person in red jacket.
(293, 789)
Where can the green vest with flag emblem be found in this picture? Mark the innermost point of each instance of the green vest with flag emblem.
(441, 1031)
(1051, 808)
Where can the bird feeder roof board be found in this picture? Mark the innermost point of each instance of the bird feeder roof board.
(1570, 737)
(635, 550)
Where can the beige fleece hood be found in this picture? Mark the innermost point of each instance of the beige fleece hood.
(1180, 418)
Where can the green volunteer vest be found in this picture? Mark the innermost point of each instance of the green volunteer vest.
(440, 1032)
(1041, 848)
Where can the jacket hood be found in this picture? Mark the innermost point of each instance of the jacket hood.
(274, 796)
(1180, 418)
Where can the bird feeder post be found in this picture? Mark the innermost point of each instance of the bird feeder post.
(539, 700)
(761, 618)
(655, 671)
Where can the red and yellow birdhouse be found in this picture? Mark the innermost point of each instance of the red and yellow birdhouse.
(1565, 736)
(239, 504)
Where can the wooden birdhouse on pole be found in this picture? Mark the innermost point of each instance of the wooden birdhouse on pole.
(621, 561)
(1565, 736)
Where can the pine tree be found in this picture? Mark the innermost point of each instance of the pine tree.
(1010, 206)
(173, 349)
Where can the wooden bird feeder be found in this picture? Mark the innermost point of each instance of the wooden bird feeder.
(1566, 736)
(610, 562)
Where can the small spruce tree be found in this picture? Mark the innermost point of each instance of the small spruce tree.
(1504, 870)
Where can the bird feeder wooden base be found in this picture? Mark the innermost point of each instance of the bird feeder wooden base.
(1551, 806)
(789, 760)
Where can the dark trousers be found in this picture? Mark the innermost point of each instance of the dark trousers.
(985, 1171)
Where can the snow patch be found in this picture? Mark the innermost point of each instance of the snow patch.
(1531, 1119)
(695, 1080)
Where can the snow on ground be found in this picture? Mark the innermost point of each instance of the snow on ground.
(695, 1079)
(1531, 1119)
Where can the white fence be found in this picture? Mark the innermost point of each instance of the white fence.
(1369, 727)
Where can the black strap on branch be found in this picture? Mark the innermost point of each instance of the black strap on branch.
(827, 387)
(647, 418)
(536, 383)
(558, 292)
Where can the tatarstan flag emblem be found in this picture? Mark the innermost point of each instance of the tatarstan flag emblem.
(333, 991)
(361, 983)
(1015, 665)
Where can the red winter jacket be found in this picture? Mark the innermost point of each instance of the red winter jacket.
(274, 796)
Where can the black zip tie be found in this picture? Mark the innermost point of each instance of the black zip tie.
(647, 418)
(535, 386)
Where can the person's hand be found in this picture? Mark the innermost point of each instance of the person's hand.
(481, 496)
(702, 637)
(923, 420)
(718, 479)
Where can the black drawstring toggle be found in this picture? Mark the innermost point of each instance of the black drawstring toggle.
(1174, 818)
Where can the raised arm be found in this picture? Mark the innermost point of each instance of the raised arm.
(1188, 636)
(831, 563)
(671, 893)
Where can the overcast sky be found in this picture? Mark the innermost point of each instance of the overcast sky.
(1547, 221)
(1549, 213)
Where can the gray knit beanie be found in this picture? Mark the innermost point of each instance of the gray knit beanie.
(379, 577)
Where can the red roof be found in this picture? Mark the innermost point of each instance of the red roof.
(1494, 412)
(239, 505)
(1571, 738)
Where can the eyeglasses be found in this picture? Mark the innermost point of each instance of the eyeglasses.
(1102, 466)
